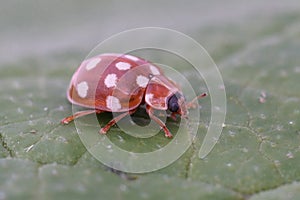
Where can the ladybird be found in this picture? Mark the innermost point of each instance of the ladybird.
(97, 85)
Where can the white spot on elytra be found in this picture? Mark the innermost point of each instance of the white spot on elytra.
(148, 97)
(123, 66)
(142, 81)
(113, 103)
(82, 89)
(131, 57)
(92, 63)
(154, 70)
(110, 80)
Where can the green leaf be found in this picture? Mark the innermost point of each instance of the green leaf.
(289, 191)
(257, 52)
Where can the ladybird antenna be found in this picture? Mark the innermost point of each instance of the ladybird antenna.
(191, 104)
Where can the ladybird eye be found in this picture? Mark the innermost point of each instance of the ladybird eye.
(173, 104)
(150, 76)
(174, 107)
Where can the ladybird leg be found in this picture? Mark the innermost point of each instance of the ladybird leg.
(174, 116)
(158, 121)
(114, 121)
(192, 104)
(67, 120)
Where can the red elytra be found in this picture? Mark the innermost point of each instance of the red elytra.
(121, 83)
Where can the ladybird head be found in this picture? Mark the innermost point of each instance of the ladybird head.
(164, 94)
(176, 104)
(173, 105)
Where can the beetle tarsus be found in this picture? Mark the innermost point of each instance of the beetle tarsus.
(168, 135)
(67, 120)
(71, 118)
(103, 131)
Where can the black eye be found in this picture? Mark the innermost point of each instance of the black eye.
(173, 104)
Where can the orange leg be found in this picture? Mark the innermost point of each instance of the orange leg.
(173, 116)
(158, 121)
(67, 120)
(114, 121)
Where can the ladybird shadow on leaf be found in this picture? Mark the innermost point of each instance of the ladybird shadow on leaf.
(141, 117)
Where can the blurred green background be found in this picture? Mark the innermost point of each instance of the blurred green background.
(256, 46)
